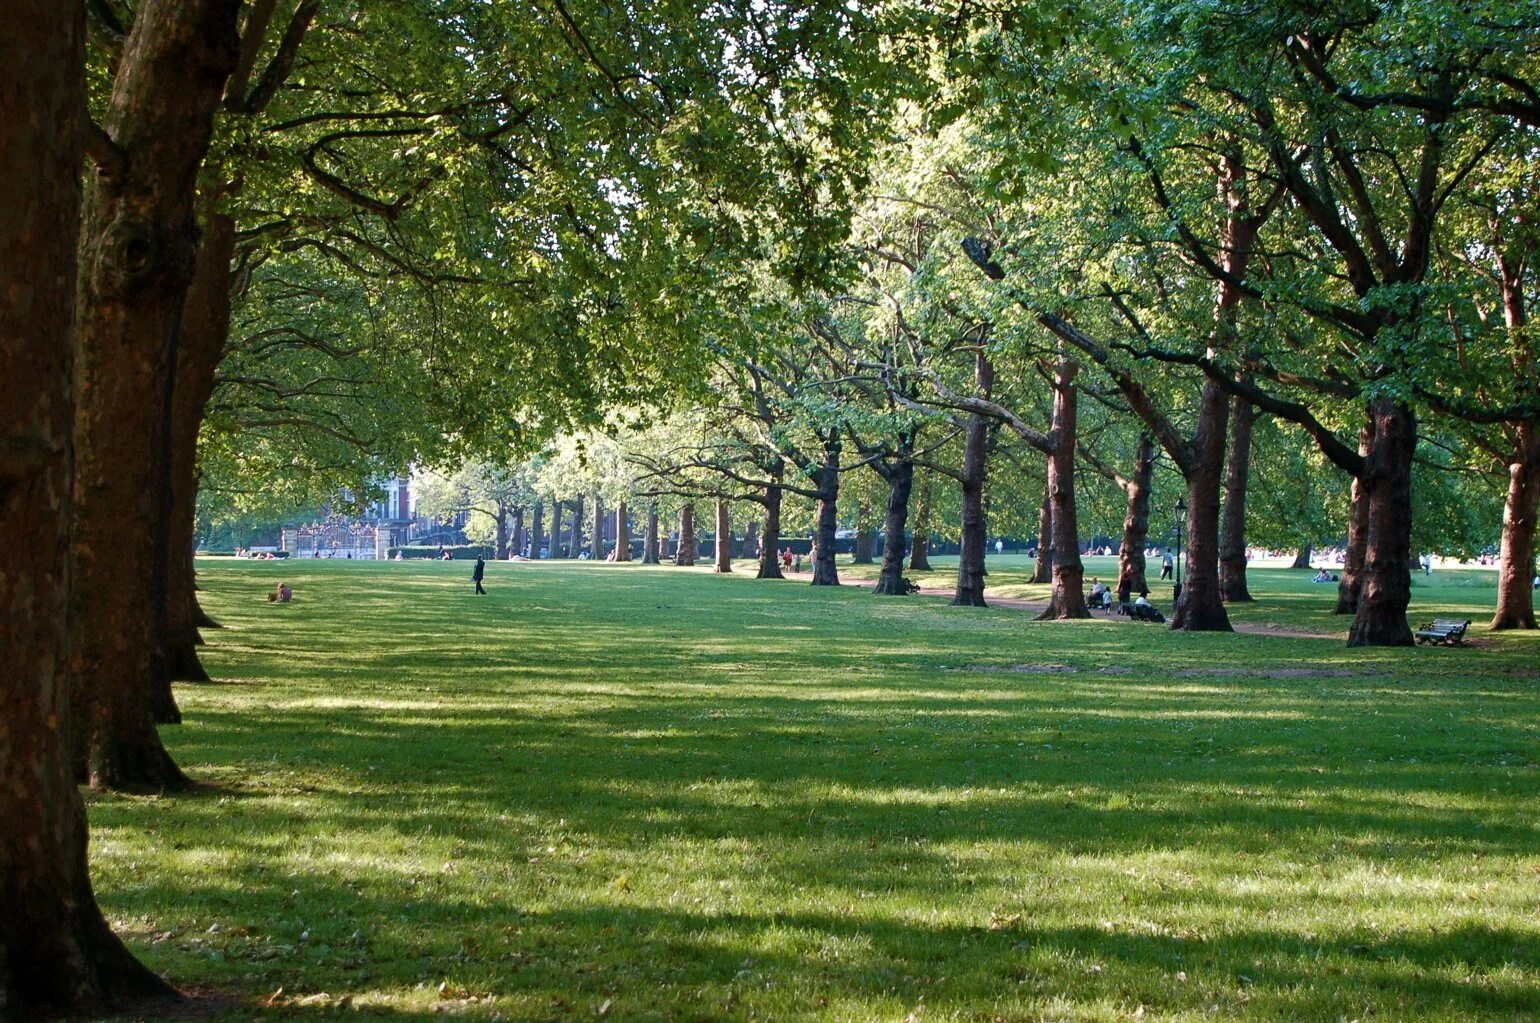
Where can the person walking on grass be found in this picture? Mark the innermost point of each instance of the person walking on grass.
(477, 573)
(1166, 563)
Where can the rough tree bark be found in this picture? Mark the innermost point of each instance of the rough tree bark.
(1199, 608)
(685, 555)
(596, 544)
(650, 538)
(57, 954)
(899, 472)
(724, 549)
(826, 520)
(919, 547)
(750, 539)
(500, 545)
(1302, 557)
(1516, 563)
(1350, 583)
(970, 560)
(1042, 570)
(518, 530)
(1067, 599)
(575, 548)
(537, 536)
(137, 251)
(204, 328)
(1136, 517)
(770, 543)
(1201, 605)
(1232, 528)
(557, 536)
(863, 551)
(1387, 581)
(622, 532)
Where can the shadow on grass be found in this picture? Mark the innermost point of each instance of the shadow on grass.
(714, 798)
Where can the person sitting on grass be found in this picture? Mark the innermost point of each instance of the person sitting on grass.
(1322, 576)
(284, 593)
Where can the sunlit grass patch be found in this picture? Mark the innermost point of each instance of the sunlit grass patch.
(689, 797)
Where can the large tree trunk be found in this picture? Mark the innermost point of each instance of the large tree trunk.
(863, 551)
(1516, 565)
(970, 559)
(685, 555)
(650, 539)
(518, 530)
(575, 548)
(558, 537)
(596, 544)
(501, 543)
(204, 329)
(537, 537)
(1302, 557)
(724, 550)
(1387, 579)
(770, 542)
(622, 532)
(1042, 570)
(900, 477)
(1067, 599)
(57, 954)
(1199, 608)
(138, 247)
(919, 549)
(1136, 518)
(827, 517)
(1350, 584)
(750, 539)
(1232, 530)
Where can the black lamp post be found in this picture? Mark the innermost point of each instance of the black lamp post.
(1181, 516)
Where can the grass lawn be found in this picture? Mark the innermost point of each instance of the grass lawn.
(1290, 600)
(628, 793)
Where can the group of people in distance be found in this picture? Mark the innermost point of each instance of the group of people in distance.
(1139, 607)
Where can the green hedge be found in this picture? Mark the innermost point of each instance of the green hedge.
(463, 552)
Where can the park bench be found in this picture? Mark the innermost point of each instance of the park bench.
(1448, 631)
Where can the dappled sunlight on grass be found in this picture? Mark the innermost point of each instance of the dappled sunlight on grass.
(697, 797)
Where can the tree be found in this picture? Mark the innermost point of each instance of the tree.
(138, 241)
(491, 494)
(57, 953)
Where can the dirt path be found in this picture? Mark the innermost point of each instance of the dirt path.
(1022, 604)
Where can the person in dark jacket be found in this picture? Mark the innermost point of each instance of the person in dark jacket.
(477, 573)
